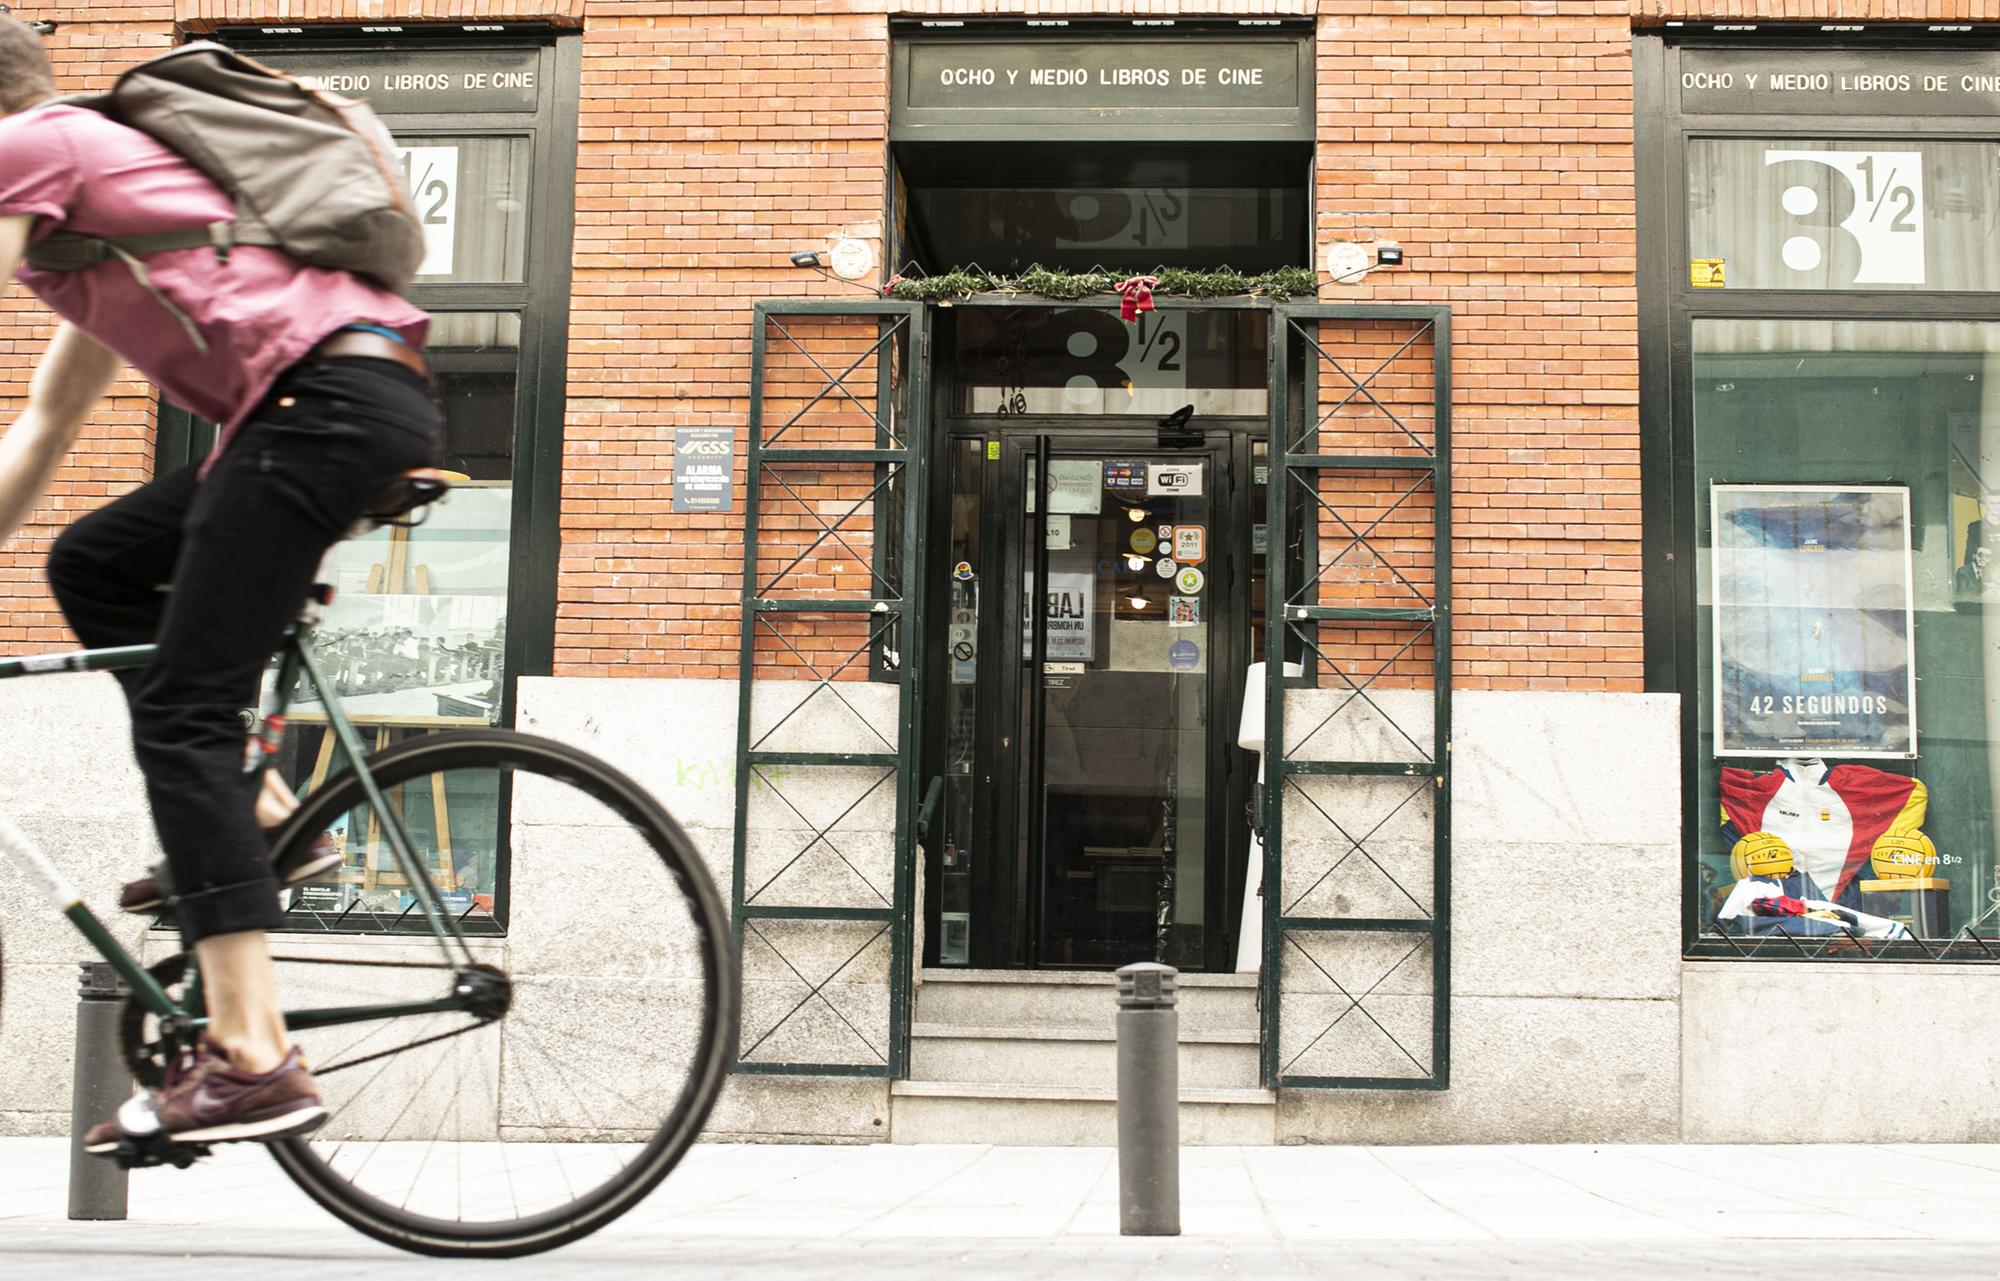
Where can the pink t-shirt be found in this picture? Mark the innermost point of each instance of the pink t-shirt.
(259, 312)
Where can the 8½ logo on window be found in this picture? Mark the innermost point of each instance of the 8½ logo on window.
(1883, 195)
(432, 175)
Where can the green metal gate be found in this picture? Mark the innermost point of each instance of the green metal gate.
(1357, 796)
(825, 812)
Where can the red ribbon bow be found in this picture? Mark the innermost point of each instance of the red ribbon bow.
(1782, 905)
(891, 283)
(1136, 295)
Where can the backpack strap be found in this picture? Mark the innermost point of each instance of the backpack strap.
(68, 251)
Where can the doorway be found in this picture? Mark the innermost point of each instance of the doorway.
(1083, 821)
(1091, 791)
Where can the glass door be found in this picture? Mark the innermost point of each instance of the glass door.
(1084, 766)
(1115, 698)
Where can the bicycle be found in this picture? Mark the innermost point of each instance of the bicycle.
(444, 984)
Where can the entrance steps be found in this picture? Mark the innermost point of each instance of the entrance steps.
(1028, 1057)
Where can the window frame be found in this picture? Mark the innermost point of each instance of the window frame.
(1669, 308)
(541, 299)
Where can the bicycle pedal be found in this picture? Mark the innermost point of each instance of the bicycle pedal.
(143, 1153)
(142, 1143)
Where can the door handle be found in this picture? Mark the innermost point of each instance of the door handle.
(927, 812)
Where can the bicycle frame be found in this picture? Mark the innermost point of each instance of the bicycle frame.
(294, 659)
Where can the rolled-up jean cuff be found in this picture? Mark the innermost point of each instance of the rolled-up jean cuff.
(229, 909)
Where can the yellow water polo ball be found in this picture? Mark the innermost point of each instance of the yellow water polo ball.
(1761, 854)
(1910, 854)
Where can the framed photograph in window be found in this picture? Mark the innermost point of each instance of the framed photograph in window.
(1814, 621)
(1975, 530)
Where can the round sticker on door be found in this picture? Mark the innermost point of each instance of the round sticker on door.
(1183, 655)
(962, 571)
(1190, 581)
(1165, 568)
(1144, 540)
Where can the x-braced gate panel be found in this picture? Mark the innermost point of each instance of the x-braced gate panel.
(831, 568)
(1357, 802)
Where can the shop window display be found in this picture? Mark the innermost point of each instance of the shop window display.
(1846, 474)
(415, 642)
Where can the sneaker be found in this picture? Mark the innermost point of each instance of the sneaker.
(150, 893)
(206, 1100)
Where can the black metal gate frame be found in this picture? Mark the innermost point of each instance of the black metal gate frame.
(898, 457)
(1295, 458)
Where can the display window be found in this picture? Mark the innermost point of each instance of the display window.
(1821, 401)
(1845, 472)
(430, 625)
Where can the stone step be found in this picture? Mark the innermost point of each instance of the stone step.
(1225, 1058)
(1068, 998)
(1067, 1116)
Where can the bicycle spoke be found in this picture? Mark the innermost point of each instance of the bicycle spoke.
(430, 1147)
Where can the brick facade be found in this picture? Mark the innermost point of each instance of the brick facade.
(1494, 141)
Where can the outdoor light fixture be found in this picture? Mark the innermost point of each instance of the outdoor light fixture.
(1388, 253)
(852, 258)
(37, 25)
(1346, 262)
(808, 258)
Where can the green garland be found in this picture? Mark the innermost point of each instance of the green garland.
(1174, 282)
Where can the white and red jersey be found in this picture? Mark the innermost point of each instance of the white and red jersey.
(1831, 818)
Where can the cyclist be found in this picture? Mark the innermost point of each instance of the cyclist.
(319, 381)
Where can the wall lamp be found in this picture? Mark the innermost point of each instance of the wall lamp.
(39, 26)
(848, 260)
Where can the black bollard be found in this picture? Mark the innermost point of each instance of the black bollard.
(1149, 1087)
(97, 1185)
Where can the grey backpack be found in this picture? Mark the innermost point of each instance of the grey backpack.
(312, 173)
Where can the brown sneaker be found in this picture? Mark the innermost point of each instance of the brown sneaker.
(150, 893)
(206, 1100)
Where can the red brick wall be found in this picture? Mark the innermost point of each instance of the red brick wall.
(1493, 141)
(713, 144)
(1497, 147)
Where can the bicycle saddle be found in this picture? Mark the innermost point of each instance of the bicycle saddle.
(408, 493)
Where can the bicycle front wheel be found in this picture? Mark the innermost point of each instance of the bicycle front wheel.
(606, 1008)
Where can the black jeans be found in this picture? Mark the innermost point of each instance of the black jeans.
(214, 570)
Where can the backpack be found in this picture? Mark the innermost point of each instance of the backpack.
(312, 173)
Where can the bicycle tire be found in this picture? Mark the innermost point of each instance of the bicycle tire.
(712, 1057)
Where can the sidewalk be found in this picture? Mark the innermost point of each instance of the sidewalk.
(890, 1211)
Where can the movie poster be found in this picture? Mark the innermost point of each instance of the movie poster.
(1813, 621)
(1072, 616)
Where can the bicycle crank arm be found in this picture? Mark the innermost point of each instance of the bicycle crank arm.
(306, 1020)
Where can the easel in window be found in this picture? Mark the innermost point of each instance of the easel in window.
(371, 875)
(394, 575)
(388, 576)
